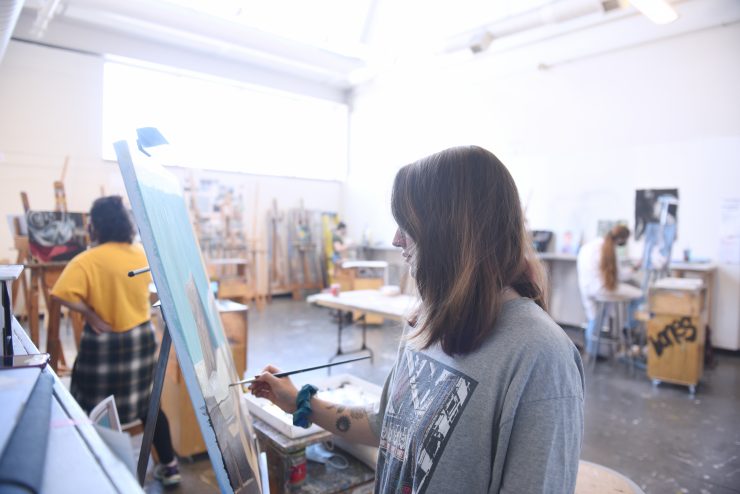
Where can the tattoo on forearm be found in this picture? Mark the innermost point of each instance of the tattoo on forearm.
(357, 413)
(341, 408)
(343, 423)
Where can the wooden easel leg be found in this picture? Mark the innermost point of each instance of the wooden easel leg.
(33, 308)
(53, 343)
(154, 402)
(14, 290)
(54, 309)
(21, 284)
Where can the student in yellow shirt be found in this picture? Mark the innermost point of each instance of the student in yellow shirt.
(118, 350)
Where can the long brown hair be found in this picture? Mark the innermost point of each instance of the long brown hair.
(608, 262)
(461, 208)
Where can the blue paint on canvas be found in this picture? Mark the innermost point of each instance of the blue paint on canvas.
(192, 318)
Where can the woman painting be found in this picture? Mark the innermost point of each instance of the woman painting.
(486, 394)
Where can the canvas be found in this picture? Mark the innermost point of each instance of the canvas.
(192, 318)
(648, 208)
(55, 235)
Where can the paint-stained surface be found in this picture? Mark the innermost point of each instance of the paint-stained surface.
(192, 318)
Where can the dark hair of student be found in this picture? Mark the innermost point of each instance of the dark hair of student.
(111, 221)
(461, 207)
(608, 262)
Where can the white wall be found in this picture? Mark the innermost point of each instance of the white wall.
(616, 108)
(51, 106)
(580, 134)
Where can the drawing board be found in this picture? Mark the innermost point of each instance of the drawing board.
(191, 315)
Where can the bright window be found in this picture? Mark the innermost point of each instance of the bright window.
(225, 125)
(327, 23)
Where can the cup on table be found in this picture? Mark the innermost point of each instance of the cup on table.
(334, 289)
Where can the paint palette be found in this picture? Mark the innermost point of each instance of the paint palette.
(274, 416)
(349, 394)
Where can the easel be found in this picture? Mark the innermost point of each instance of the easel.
(9, 274)
(657, 241)
(257, 254)
(154, 399)
(276, 278)
(306, 248)
(24, 256)
(235, 269)
(231, 256)
(60, 197)
(131, 179)
(43, 276)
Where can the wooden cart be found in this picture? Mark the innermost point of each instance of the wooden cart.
(676, 332)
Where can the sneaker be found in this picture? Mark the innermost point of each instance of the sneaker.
(167, 475)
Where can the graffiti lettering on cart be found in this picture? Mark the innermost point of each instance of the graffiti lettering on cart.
(676, 332)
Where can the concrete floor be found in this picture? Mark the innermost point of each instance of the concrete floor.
(664, 440)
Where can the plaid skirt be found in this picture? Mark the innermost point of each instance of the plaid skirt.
(118, 364)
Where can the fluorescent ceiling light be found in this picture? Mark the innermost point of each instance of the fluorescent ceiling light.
(658, 11)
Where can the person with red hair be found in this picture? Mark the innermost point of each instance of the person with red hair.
(600, 275)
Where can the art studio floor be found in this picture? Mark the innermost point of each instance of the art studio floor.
(665, 441)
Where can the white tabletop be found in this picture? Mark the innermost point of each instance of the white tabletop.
(364, 264)
(395, 307)
(10, 272)
(703, 267)
(227, 261)
(226, 305)
(556, 256)
(689, 284)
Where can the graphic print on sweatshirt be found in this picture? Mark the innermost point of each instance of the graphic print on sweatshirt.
(426, 401)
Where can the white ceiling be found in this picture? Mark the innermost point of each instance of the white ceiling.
(334, 43)
(333, 39)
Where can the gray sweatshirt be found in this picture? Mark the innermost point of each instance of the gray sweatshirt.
(505, 418)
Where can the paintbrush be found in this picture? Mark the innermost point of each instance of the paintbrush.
(135, 272)
(290, 373)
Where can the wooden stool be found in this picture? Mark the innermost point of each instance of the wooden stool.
(597, 479)
(619, 305)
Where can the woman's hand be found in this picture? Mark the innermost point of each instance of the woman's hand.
(96, 323)
(279, 390)
(352, 423)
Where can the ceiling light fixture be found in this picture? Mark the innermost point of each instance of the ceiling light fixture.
(658, 11)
